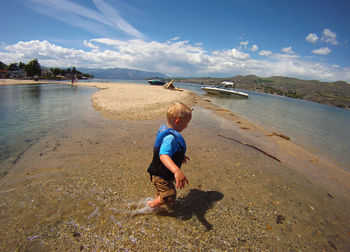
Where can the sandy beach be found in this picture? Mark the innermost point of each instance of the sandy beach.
(81, 187)
(134, 102)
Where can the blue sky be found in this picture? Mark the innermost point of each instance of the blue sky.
(305, 39)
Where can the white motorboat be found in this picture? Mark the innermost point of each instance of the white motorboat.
(225, 88)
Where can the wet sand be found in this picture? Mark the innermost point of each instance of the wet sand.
(77, 189)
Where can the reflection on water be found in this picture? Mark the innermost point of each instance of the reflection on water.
(28, 112)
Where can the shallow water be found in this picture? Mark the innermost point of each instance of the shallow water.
(322, 128)
(83, 187)
(77, 187)
(29, 112)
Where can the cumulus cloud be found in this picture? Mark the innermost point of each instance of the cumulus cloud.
(172, 57)
(265, 53)
(322, 51)
(254, 48)
(312, 38)
(90, 45)
(329, 37)
(287, 50)
(233, 53)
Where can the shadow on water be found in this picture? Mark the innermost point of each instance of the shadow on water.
(195, 203)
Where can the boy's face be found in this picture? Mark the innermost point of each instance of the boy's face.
(181, 124)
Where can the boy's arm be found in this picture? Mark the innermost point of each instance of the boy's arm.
(180, 178)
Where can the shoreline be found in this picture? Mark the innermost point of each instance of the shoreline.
(324, 171)
(143, 103)
(295, 90)
(78, 187)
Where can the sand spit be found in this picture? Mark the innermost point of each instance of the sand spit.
(134, 101)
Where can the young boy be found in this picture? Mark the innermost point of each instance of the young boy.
(168, 155)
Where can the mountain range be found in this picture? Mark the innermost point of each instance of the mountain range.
(121, 73)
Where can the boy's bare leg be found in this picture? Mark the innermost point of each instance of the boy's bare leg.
(155, 203)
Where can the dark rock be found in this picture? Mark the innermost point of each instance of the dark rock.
(280, 218)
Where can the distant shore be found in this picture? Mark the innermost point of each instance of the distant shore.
(330, 93)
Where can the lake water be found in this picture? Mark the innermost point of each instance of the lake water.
(28, 112)
(320, 127)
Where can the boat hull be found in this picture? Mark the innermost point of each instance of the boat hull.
(221, 91)
(156, 82)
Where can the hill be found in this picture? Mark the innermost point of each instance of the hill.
(330, 93)
(120, 73)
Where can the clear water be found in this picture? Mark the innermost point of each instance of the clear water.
(28, 112)
(317, 126)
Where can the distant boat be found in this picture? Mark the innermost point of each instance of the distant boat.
(225, 88)
(156, 82)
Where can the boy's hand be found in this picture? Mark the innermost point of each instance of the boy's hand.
(185, 159)
(180, 179)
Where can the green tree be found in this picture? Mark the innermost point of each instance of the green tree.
(33, 68)
(21, 65)
(3, 66)
(56, 71)
(13, 67)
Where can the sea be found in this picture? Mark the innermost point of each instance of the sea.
(29, 112)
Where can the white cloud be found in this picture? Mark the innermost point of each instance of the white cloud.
(243, 44)
(90, 45)
(329, 37)
(322, 51)
(265, 53)
(254, 48)
(97, 22)
(312, 38)
(175, 58)
(287, 50)
(113, 16)
(233, 53)
(284, 56)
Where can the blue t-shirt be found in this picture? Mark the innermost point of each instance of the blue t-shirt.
(168, 146)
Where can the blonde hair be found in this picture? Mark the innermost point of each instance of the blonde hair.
(178, 110)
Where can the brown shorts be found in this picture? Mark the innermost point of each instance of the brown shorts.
(165, 190)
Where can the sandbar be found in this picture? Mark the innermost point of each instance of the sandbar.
(135, 101)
